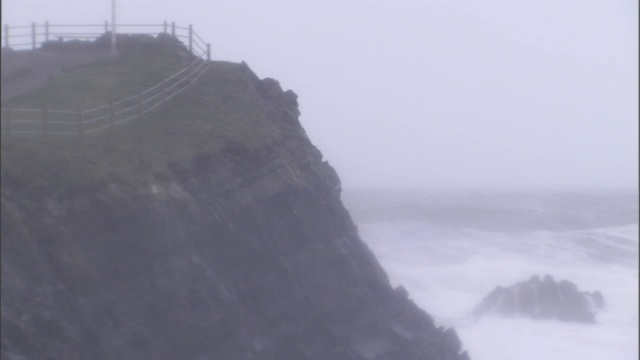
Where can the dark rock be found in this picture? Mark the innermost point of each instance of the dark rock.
(170, 40)
(402, 292)
(242, 249)
(270, 89)
(452, 340)
(597, 298)
(546, 299)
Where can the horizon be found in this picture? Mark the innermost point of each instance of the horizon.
(633, 191)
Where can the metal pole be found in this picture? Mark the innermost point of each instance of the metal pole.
(165, 26)
(6, 35)
(106, 26)
(113, 27)
(173, 28)
(46, 31)
(208, 52)
(33, 35)
(190, 38)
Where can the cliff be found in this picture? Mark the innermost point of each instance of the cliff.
(212, 229)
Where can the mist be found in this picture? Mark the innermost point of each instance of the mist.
(431, 94)
(479, 144)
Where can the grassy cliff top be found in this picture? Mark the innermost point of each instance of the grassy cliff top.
(103, 81)
(224, 111)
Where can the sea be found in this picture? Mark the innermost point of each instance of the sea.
(450, 248)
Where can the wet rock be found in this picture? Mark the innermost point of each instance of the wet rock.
(543, 299)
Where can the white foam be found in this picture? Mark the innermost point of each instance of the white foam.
(448, 271)
(523, 339)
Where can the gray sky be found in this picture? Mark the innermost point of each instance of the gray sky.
(429, 94)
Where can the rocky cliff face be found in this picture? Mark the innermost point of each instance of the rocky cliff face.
(211, 230)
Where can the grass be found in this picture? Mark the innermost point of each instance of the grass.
(218, 111)
(102, 82)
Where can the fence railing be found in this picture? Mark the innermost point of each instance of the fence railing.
(32, 36)
(46, 121)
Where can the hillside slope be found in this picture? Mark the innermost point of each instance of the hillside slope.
(210, 230)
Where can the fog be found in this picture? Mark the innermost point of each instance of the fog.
(518, 94)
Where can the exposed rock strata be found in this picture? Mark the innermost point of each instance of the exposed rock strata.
(237, 247)
(543, 299)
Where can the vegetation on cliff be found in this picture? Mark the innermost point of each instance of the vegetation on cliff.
(223, 111)
(106, 80)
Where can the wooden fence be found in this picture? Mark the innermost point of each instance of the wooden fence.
(80, 122)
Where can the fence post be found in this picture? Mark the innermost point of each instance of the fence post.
(45, 120)
(208, 52)
(46, 31)
(6, 35)
(173, 28)
(80, 123)
(113, 31)
(112, 117)
(165, 26)
(106, 26)
(190, 38)
(33, 35)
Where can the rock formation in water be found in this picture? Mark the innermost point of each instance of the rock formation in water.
(543, 299)
(211, 229)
